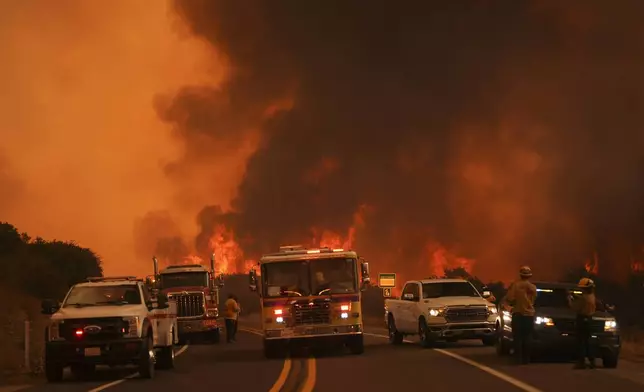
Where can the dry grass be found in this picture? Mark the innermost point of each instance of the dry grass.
(16, 309)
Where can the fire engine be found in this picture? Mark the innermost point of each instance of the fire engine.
(195, 290)
(310, 297)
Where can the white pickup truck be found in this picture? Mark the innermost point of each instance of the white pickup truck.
(440, 309)
(109, 321)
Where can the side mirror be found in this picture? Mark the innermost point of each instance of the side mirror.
(408, 297)
(252, 280)
(486, 294)
(366, 279)
(49, 306)
(162, 301)
(610, 308)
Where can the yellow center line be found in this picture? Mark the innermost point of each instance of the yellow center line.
(309, 381)
(281, 380)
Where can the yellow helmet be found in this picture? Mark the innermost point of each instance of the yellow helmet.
(525, 271)
(586, 282)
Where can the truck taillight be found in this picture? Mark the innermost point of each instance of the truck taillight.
(345, 308)
(278, 312)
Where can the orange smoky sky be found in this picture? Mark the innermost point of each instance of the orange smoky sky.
(82, 148)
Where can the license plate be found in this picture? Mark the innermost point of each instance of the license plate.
(287, 333)
(92, 351)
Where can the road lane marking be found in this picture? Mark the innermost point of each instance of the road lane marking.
(309, 381)
(281, 380)
(500, 375)
(131, 376)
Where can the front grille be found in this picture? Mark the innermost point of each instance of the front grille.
(311, 313)
(466, 314)
(190, 304)
(569, 326)
(110, 328)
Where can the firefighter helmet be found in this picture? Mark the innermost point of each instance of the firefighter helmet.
(586, 282)
(525, 271)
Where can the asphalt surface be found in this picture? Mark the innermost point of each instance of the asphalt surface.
(465, 365)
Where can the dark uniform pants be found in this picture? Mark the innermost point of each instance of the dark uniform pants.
(584, 339)
(522, 329)
(231, 329)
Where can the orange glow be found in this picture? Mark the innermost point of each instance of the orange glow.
(440, 259)
(592, 265)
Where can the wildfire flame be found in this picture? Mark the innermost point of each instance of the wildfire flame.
(592, 265)
(440, 259)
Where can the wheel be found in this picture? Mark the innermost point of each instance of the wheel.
(53, 369)
(165, 358)
(610, 360)
(502, 345)
(272, 349)
(82, 371)
(148, 358)
(489, 340)
(426, 340)
(356, 344)
(215, 336)
(395, 337)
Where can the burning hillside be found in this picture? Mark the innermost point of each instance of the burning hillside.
(423, 136)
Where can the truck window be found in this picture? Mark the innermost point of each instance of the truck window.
(411, 288)
(287, 278)
(449, 289)
(333, 276)
(184, 279)
(81, 296)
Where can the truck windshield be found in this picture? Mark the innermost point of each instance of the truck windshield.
(184, 279)
(449, 289)
(333, 276)
(326, 276)
(81, 296)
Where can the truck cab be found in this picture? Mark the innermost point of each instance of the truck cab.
(440, 309)
(311, 297)
(195, 290)
(109, 321)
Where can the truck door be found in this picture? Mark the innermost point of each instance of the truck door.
(406, 323)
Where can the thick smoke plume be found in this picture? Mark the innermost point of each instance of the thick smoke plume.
(509, 132)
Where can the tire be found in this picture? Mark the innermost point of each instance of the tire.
(426, 340)
(356, 344)
(272, 349)
(148, 358)
(610, 360)
(53, 371)
(82, 371)
(395, 337)
(502, 346)
(165, 358)
(489, 340)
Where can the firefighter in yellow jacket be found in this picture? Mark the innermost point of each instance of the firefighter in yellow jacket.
(585, 306)
(521, 296)
(232, 313)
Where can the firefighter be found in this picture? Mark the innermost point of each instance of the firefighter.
(584, 306)
(232, 312)
(521, 296)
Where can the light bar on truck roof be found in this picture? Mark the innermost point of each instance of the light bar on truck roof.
(111, 278)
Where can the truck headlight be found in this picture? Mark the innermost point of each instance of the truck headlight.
(435, 312)
(610, 326)
(133, 326)
(54, 330)
(212, 313)
(544, 321)
(492, 309)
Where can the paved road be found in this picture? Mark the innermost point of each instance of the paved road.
(382, 367)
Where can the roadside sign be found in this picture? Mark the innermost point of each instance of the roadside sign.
(386, 292)
(387, 280)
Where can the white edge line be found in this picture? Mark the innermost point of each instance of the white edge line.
(509, 379)
(131, 376)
